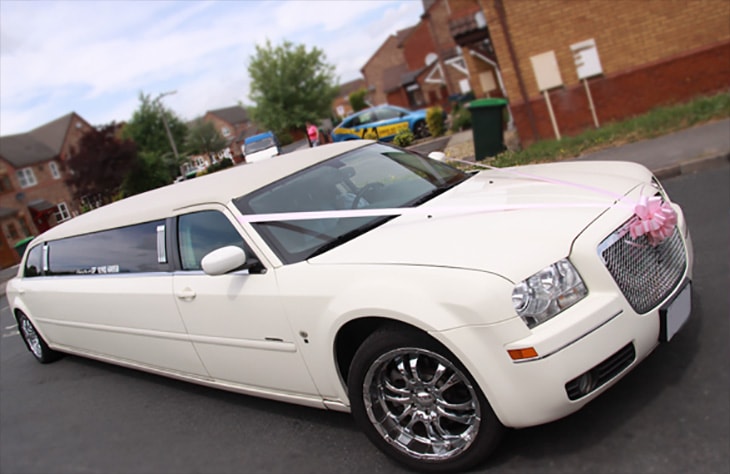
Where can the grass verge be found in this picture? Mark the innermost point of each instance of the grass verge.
(657, 122)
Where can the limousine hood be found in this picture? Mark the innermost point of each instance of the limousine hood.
(497, 222)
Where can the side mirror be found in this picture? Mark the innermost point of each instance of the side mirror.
(437, 155)
(224, 260)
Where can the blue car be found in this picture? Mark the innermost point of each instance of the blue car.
(384, 121)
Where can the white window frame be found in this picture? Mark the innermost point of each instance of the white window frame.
(55, 172)
(62, 212)
(26, 177)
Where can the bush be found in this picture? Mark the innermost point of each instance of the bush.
(435, 121)
(404, 138)
(220, 165)
(285, 138)
(461, 119)
(357, 100)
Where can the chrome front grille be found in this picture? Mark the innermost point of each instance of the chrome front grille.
(645, 274)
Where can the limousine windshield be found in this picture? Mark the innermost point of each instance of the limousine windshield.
(376, 176)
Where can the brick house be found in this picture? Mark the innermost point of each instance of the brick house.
(647, 54)
(388, 57)
(232, 123)
(468, 27)
(422, 66)
(33, 194)
(341, 105)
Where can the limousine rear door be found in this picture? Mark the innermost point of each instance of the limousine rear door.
(108, 295)
(235, 321)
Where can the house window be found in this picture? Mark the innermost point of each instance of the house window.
(12, 231)
(24, 227)
(226, 132)
(62, 213)
(54, 170)
(5, 184)
(91, 202)
(26, 178)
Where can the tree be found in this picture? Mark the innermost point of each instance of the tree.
(203, 138)
(357, 100)
(290, 86)
(100, 164)
(148, 172)
(147, 130)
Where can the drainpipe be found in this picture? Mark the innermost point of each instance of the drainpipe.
(499, 6)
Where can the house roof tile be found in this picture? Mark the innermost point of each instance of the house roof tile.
(53, 134)
(233, 115)
(24, 149)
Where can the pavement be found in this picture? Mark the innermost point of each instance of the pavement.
(686, 151)
(683, 152)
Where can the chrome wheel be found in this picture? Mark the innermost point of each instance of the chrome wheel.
(421, 404)
(31, 337)
(34, 341)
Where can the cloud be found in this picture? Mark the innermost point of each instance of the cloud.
(95, 58)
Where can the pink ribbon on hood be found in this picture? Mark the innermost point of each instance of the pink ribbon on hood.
(653, 218)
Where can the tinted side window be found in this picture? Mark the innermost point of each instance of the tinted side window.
(202, 232)
(387, 114)
(34, 262)
(122, 250)
(366, 117)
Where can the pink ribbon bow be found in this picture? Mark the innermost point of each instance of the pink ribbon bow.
(653, 218)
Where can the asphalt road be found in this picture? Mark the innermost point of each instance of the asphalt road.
(670, 415)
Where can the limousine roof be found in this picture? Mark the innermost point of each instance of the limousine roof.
(219, 187)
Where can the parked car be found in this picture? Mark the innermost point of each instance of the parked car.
(261, 146)
(385, 121)
(437, 306)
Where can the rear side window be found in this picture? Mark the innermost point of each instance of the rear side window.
(387, 114)
(34, 262)
(202, 232)
(131, 249)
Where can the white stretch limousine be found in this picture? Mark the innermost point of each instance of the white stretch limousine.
(437, 306)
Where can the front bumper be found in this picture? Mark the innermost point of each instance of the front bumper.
(603, 334)
(534, 391)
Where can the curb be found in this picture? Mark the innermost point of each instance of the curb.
(692, 166)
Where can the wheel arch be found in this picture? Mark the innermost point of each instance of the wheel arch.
(351, 336)
(19, 308)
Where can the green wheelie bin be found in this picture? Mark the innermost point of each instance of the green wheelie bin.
(487, 122)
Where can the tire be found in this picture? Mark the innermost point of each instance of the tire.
(34, 342)
(420, 130)
(396, 388)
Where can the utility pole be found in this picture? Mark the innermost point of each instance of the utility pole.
(164, 122)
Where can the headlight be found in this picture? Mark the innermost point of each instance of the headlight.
(548, 292)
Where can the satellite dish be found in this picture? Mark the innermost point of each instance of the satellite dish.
(480, 20)
(431, 58)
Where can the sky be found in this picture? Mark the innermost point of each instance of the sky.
(94, 58)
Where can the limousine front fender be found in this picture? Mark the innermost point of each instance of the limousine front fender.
(430, 299)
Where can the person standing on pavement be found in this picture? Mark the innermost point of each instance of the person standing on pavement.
(313, 134)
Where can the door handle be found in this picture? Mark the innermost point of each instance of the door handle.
(186, 294)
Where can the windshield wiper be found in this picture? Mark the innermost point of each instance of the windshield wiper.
(347, 236)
